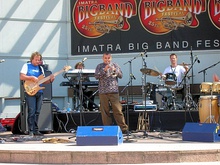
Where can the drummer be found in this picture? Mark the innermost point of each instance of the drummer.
(174, 68)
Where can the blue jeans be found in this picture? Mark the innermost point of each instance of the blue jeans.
(34, 104)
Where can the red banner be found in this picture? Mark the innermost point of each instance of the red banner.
(127, 26)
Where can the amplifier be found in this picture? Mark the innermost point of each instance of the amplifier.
(148, 107)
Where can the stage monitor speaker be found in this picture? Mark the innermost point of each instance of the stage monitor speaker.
(98, 135)
(201, 132)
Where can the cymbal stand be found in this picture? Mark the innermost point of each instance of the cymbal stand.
(174, 99)
(188, 100)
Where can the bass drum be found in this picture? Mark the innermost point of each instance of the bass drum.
(150, 91)
(163, 90)
(163, 94)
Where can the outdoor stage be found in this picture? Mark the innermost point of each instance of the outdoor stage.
(158, 147)
(163, 144)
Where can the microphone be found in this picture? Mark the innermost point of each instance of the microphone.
(2, 60)
(144, 53)
(197, 59)
(84, 59)
(132, 76)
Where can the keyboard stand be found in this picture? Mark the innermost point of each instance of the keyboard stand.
(85, 98)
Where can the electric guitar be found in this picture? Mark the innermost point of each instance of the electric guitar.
(33, 87)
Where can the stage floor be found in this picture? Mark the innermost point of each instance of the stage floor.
(157, 147)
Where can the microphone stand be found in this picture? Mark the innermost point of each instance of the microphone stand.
(80, 95)
(144, 95)
(127, 109)
(185, 76)
(204, 70)
(192, 59)
(130, 75)
(81, 91)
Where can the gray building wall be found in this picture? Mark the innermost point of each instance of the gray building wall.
(44, 25)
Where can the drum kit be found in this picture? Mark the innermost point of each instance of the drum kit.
(209, 104)
(164, 94)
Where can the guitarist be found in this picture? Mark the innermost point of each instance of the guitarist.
(30, 72)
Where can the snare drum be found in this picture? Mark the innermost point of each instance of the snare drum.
(207, 105)
(216, 87)
(170, 79)
(206, 87)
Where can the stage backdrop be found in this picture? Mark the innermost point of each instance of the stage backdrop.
(128, 26)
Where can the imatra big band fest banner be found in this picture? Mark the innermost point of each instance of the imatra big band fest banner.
(128, 26)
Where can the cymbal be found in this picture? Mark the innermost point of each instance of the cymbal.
(150, 72)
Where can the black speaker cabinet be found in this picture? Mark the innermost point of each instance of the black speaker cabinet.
(48, 88)
(22, 125)
(202, 132)
(45, 122)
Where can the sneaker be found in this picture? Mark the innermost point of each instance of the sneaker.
(38, 133)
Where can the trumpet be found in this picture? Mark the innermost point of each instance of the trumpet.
(105, 26)
(111, 70)
(173, 23)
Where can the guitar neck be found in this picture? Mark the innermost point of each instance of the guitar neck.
(48, 77)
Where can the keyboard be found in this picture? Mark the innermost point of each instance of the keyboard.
(87, 83)
(76, 72)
